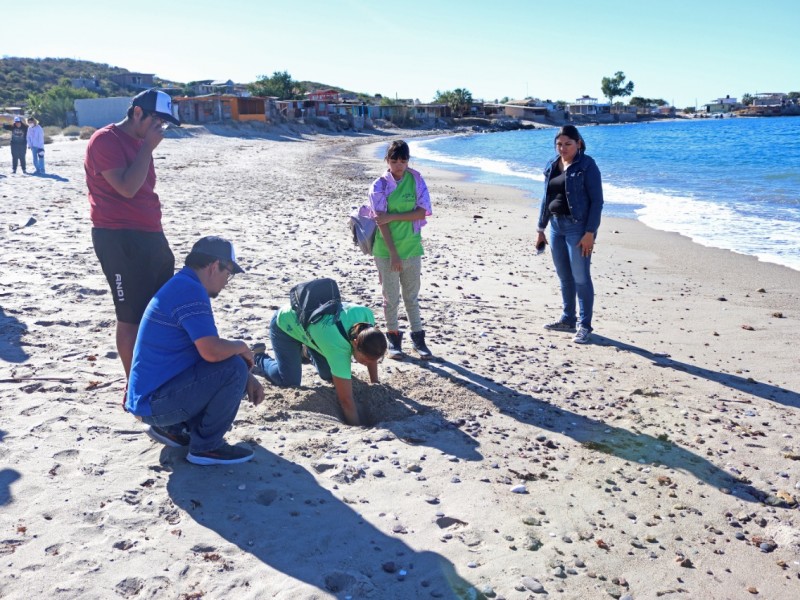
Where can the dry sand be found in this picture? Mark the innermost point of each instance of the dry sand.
(660, 461)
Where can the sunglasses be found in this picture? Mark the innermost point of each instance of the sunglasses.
(164, 124)
(229, 269)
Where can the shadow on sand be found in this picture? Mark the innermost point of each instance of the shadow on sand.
(11, 332)
(597, 435)
(285, 519)
(52, 176)
(742, 384)
(7, 477)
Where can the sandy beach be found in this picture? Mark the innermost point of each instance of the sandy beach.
(660, 461)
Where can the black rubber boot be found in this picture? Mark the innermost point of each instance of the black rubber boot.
(418, 341)
(395, 339)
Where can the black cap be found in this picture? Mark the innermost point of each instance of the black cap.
(216, 247)
(157, 102)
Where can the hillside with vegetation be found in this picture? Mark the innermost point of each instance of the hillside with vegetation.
(21, 77)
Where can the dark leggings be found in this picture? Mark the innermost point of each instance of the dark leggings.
(18, 156)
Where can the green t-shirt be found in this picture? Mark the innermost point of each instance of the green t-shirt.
(325, 337)
(408, 244)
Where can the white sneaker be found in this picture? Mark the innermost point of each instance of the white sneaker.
(582, 336)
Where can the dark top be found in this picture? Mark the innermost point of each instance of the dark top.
(18, 134)
(557, 192)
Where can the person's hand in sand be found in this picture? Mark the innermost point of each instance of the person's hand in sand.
(331, 345)
(255, 391)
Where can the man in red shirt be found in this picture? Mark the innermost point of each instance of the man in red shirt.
(126, 213)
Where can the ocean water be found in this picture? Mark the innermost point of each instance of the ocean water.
(729, 183)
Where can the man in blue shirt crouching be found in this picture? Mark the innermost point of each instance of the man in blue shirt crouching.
(186, 382)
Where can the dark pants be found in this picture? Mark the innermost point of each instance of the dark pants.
(205, 398)
(18, 156)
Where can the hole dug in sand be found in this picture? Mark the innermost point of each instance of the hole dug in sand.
(376, 404)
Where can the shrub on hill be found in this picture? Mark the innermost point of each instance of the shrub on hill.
(20, 77)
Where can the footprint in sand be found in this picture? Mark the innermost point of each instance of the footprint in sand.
(70, 454)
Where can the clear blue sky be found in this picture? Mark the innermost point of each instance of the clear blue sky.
(681, 51)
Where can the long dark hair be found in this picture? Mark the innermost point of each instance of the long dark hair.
(369, 339)
(572, 133)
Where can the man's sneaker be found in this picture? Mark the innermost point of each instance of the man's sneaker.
(223, 455)
(560, 326)
(418, 341)
(174, 436)
(583, 335)
(395, 340)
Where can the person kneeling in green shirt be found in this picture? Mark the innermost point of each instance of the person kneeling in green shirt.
(332, 343)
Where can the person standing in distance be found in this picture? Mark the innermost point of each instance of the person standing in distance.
(19, 132)
(35, 139)
(126, 213)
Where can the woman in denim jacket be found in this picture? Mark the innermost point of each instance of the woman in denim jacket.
(572, 203)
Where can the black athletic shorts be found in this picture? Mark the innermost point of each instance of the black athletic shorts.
(136, 265)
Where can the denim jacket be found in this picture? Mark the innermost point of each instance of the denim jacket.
(584, 192)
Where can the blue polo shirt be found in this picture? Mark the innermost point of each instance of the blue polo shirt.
(177, 316)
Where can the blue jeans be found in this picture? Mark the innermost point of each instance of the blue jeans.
(204, 398)
(286, 369)
(38, 162)
(574, 270)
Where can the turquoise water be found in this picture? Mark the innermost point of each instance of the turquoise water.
(727, 183)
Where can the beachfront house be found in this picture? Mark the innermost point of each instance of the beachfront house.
(324, 96)
(527, 110)
(721, 106)
(771, 104)
(429, 113)
(770, 99)
(356, 113)
(212, 86)
(136, 81)
(221, 107)
(585, 105)
(588, 110)
(390, 112)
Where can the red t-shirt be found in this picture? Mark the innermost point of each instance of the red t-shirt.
(111, 148)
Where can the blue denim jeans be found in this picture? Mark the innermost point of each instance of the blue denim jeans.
(574, 270)
(204, 398)
(286, 369)
(38, 161)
